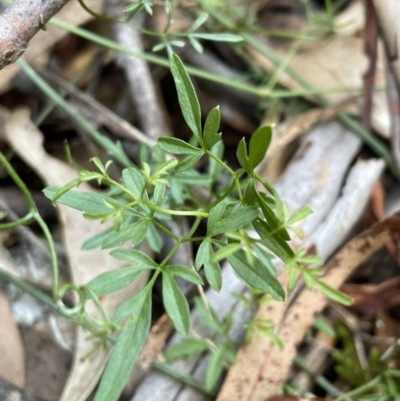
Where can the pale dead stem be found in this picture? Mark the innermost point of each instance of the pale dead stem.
(20, 22)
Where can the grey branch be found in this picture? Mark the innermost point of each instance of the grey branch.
(20, 22)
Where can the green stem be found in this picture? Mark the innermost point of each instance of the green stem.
(39, 295)
(170, 253)
(229, 170)
(320, 380)
(34, 214)
(360, 390)
(186, 379)
(28, 219)
(102, 140)
(166, 230)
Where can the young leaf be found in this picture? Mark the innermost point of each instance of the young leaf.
(134, 181)
(204, 256)
(87, 202)
(196, 44)
(210, 132)
(153, 237)
(218, 37)
(257, 275)
(135, 231)
(199, 22)
(96, 240)
(188, 347)
(229, 217)
(241, 155)
(133, 256)
(273, 242)
(185, 272)
(213, 275)
(333, 293)
(214, 368)
(114, 280)
(127, 349)
(175, 304)
(187, 96)
(176, 146)
(188, 162)
(259, 144)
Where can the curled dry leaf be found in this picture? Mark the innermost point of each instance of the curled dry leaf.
(27, 141)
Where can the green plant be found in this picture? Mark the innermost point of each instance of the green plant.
(161, 190)
(377, 382)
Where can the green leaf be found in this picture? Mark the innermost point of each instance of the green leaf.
(209, 317)
(270, 216)
(134, 181)
(215, 367)
(230, 217)
(175, 304)
(199, 22)
(133, 256)
(273, 242)
(210, 132)
(196, 44)
(332, 293)
(96, 240)
(154, 239)
(159, 194)
(187, 96)
(213, 275)
(218, 37)
(116, 279)
(259, 144)
(215, 168)
(241, 155)
(204, 256)
(135, 232)
(188, 162)
(128, 347)
(188, 347)
(185, 272)
(176, 146)
(87, 202)
(257, 275)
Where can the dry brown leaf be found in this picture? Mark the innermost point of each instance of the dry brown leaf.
(12, 360)
(39, 46)
(27, 141)
(302, 313)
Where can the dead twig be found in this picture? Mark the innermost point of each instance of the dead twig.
(20, 22)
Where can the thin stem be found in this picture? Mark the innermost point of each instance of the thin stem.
(170, 253)
(361, 390)
(320, 380)
(186, 379)
(29, 289)
(34, 214)
(229, 170)
(102, 140)
(166, 230)
(155, 207)
(28, 219)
